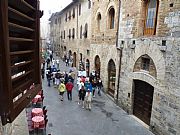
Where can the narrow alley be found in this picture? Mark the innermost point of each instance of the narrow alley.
(105, 118)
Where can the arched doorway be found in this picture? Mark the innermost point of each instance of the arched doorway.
(87, 67)
(143, 98)
(97, 64)
(74, 59)
(111, 77)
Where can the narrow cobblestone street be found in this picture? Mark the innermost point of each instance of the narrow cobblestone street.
(105, 118)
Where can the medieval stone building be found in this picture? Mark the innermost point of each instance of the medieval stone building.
(70, 32)
(149, 85)
(82, 30)
(134, 45)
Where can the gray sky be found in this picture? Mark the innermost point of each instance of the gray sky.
(50, 7)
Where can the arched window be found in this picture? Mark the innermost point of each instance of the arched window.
(73, 13)
(64, 34)
(111, 18)
(81, 31)
(145, 64)
(69, 15)
(89, 4)
(79, 9)
(151, 17)
(73, 33)
(99, 22)
(69, 33)
(85, 30)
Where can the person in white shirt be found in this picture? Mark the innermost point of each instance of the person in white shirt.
(88, 98)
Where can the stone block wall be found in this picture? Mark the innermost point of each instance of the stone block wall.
(105, 35)
(163, 49)
(166, 107)
(76, 45)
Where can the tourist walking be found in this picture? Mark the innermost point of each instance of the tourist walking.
(69, 87)
(62, 89)
(49, 78)
(81, 95)
(88, 99)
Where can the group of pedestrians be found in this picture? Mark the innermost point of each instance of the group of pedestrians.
(64, 82)
(87, 87)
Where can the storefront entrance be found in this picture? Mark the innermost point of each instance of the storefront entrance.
(143, 98)
(111, 77)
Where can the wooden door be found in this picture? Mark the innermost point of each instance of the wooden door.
(143, 98)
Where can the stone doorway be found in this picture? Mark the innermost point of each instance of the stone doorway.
(143, 98)
(111, 77)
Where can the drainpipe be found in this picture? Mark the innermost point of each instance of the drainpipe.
(120, 53)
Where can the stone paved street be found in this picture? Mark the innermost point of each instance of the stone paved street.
(68, 118)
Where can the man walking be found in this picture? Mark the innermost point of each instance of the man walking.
(69, 87)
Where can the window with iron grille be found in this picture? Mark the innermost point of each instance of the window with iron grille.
(145, 63)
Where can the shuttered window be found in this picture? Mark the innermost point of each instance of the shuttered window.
(20, 56)
(151, 17)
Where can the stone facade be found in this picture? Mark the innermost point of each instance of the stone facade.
(96, 41)
(163, 50)
(103, 42)
(135, 51)
(63, 44)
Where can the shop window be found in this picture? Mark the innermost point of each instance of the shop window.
(151, 7)
(99, 22)
(111, 18)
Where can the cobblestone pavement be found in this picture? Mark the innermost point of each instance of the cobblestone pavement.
(105, 118)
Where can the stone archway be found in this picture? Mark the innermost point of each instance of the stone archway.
(74, 59)
(97, 64)
(87, 67)
(111, 77)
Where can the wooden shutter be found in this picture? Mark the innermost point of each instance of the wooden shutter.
(151, 17)
(20, 56)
